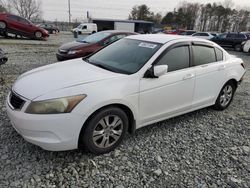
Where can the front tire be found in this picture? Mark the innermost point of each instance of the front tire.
(105, 130)
(225, 97)
(38, 35)
(3, 25)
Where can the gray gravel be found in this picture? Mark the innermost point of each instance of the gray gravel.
(202, 149)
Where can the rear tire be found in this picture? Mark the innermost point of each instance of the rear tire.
(225, 97)
(38, 34)
(237, 48)
(104, 131)
(3, 25)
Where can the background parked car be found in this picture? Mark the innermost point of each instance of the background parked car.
(203, 35)
(17, 25)
(90, 44)
(85, 28)
(49, 27)
(188, 32)
(3, 58)
(246, 33)
(231, 40)
(246, 46)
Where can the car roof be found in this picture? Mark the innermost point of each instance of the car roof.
(117, 31)
(158, 38)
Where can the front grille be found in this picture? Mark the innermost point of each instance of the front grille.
(16, 102)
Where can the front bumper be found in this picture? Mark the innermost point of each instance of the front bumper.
(64, 57)
(246, 48)
(55, 132)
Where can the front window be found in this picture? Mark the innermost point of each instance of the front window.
(222, 36)
(174, 60)
(95, 37)
(125, 56)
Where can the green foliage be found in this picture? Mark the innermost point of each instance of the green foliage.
(208, 17)
(143, 12)
(2, 8)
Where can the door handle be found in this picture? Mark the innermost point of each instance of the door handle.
(222, 67)
(188, 76)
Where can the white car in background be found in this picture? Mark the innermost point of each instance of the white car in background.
(134, 82)
(246, 46)
(203, 35)
(85, 29)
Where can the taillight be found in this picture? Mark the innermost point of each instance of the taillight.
(243, 65)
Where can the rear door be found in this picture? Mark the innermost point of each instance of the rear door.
(13, 22)
(25, 26)
(210, 73)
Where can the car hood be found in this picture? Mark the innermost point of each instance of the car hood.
(58, 76)
(73, 45)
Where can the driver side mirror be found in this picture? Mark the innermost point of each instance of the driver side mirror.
(156, 71)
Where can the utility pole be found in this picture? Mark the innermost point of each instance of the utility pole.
(69, 12)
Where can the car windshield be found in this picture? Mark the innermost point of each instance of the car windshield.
(125, 56)
(95, 37)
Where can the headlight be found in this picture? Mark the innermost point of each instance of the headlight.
(243, 43)
(55, 106)
(71, 52)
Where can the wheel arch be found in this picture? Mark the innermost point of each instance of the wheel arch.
(125, 108)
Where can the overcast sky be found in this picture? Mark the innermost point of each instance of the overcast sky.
(116, 9)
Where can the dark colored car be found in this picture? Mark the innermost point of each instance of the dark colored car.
(3, 58)
(230, 40)
(90, 44)
(49, 27)
(17, 25)
(188, 32)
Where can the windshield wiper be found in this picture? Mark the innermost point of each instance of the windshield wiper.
(86, 59)
(97, 64)
(83, 41)
(103, 67)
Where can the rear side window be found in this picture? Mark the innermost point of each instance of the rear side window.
(176, 59)
(241, 36)
(203, 55)
(231, 36)
(219, 54)
(204, 34)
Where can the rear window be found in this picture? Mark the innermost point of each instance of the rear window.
(203, 55)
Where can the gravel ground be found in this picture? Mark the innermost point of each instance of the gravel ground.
(202, 149)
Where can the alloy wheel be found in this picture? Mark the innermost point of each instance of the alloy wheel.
(107, 131)
(226, 95)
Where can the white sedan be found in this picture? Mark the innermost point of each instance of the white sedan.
(134, 82)
(204, 35)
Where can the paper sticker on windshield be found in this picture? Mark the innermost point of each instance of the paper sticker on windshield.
(147, 45)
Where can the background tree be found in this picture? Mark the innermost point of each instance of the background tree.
(141, 12)
(219, 17)
(2, 6)
(29, 9)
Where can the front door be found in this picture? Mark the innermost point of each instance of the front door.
(171, 93)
